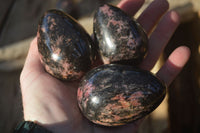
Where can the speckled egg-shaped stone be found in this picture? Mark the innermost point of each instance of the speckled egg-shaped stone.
(119, 37)
(65, 48)
(113, 95)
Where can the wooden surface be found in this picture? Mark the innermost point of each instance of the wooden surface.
(18, 25)
(5, 8)
(10, 101)
(21, 20)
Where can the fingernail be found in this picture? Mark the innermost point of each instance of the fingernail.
(175, 16)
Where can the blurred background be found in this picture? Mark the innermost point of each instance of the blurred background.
(180, 111)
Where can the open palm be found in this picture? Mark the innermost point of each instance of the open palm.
(52, 103)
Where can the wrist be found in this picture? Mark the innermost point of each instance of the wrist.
(30, 127)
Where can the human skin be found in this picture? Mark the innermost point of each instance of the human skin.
(53, 103)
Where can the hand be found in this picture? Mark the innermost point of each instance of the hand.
(53, 104)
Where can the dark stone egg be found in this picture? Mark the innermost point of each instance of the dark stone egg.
(119, 37)
(113, 95)
(65, 48)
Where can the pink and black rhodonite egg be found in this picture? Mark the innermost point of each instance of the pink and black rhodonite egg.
(119, 37)
(64, 46)
(113, 95)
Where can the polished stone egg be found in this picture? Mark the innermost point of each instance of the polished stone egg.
(113, 95)
(120, 38)
(65, 48)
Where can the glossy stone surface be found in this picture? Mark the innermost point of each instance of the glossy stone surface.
(113, 95)
(66, 50)
(120, 38)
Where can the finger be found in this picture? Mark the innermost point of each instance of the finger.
(174, 64)
(130, 6)
(32, 63)
(151, 15)
(159, 38)
(32, 60)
